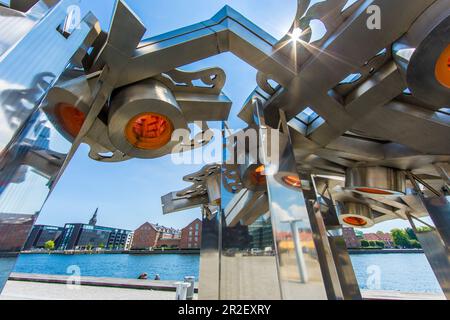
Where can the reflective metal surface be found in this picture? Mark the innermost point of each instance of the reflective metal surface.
(25, 78)
(299, 270)
(337, 268)
(32, 151)
(357, 215)
(248, 263)
(375, 180)
(31, 163)
(209, 282)
(435, 242)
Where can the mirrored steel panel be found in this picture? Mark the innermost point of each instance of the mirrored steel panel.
(33, 57)
(299, 269)
(248, 266)
(26, 174)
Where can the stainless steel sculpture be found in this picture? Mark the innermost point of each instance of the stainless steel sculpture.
(381, 124)
(364, 115)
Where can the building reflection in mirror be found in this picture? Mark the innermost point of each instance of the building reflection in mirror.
(27, 169)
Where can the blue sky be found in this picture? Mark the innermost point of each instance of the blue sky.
(128, 193)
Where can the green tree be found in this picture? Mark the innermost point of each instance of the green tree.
(415, 244)
(101, 246)
(89, 247)
(400, 238)
(424, 229)
(49, 245)
(411, 234)
(364, 243)
(380, 244)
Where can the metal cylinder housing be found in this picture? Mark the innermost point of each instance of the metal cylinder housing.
(422, 56)
(356, 214)
(67, 105)
(376, 181)
(130, 106)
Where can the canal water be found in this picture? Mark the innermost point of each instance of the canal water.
(399, 272)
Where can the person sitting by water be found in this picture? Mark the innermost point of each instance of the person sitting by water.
(157, 277)
(143, 276)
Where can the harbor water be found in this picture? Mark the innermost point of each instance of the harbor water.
(397, 272)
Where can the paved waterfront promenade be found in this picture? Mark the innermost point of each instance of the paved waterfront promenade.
(54, 287)
(19, 290)
(384, 251)
(49, 287)
(160, 285)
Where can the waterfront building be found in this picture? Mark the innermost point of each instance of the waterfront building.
(129, 241)
(351, 238)
(149, 236)
(40, 234)
(191, 235)
(380, 236)
(79, 236)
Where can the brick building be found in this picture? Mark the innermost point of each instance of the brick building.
(350, 237)
(150, 235)
(191, 235)
(380, 236)
(14, 230)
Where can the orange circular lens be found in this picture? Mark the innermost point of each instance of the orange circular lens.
(257, 176)
(355, 221)
(442, 71)
(149, 131)
(292, 181)
(70, 118)
(374, 191)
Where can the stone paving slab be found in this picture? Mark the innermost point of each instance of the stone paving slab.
(20, 290)
(159, 285)
(397, 295)
(52, 287)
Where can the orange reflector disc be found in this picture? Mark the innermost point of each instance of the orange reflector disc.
(443, 68)
(355, 221)
(257, 176)
(149, 131)
(70, 118)
(292, 181)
